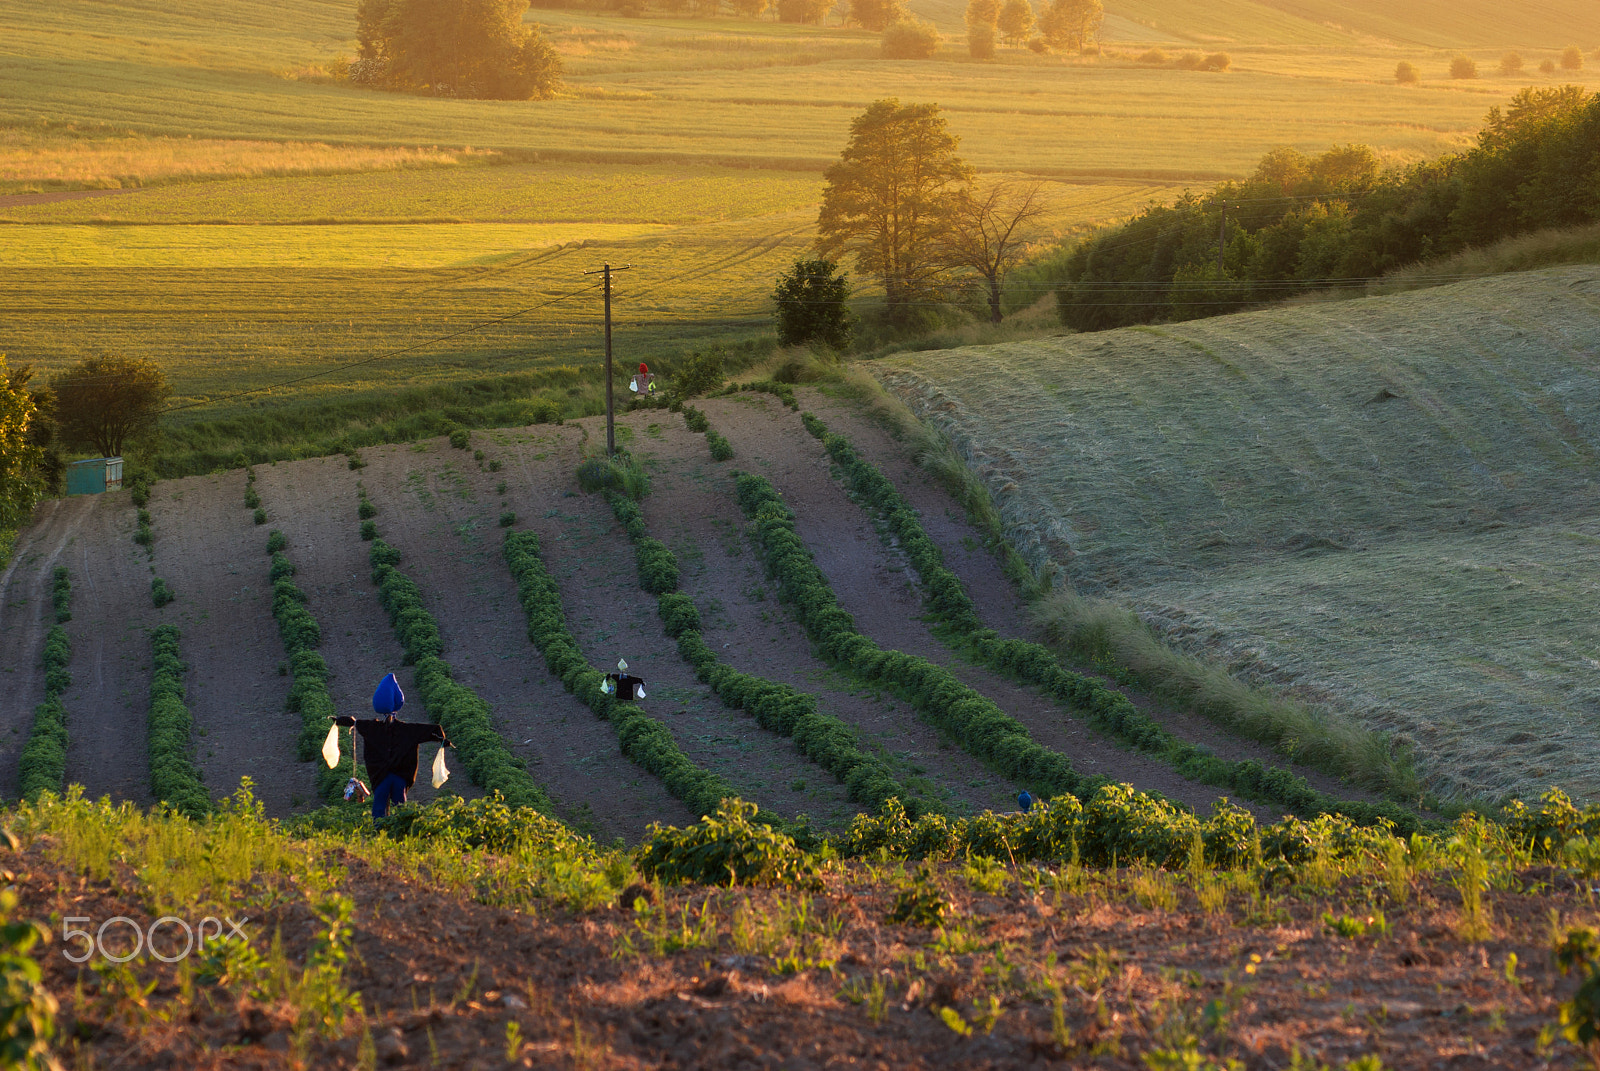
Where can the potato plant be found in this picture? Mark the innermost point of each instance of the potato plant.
(43, 763)
(174, 778)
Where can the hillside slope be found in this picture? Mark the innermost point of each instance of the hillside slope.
(1388, 504)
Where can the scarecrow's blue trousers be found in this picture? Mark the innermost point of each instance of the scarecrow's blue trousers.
(391, 787)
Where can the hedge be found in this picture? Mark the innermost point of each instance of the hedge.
(174, 778)
(308, 694)
(43, 764)
(822, 738)
(466, 718)
(644, 739)
(967, 717)
(1108, 709)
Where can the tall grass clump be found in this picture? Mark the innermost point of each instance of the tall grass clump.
(466, 718)
(620, 473)
(174, 778)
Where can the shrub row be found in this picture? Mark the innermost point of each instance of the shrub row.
(308, 692)
(643, 739)
(721, 448)
(174, 778)
(61, 595)
(43, 764)
(782, 391)
(822, 738)
(1109, 710)
(970, 719)
(466, 718)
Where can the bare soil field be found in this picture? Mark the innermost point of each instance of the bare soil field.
(451, 983)
(442, 508)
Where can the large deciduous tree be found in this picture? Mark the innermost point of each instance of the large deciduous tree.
(22, 479)
(890, 197)
(982, 17)
(1071, 24)
(104, 402)
(1016, 20)
(462, 48)
(990, 231)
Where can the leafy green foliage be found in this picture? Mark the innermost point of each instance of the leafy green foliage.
(276, 541)
(61, 595)
(174, 779)
(259, 516)
(1108, 709)
(22, 480)
(466, 718)
(252, 499)
(812, 305)
(643, 739)
(27, 1009)
(369, 530)
(922, 903)
(43, 763)
(822, 738)
(508, 518)
(721, 448)
(727, 847)
(308, 692)
(1580, 1015)
(621, 473)
(487, 822)
(701, 372)
(366, 510)
(695, 419)
(461, 438)
(161, 592)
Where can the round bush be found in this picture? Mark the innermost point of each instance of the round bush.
(910, 39)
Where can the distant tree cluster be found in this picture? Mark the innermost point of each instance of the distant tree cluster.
(1063, 25)
(479, 49)
(1463, 66)
(803, 12)
(1302, 221)
(908, 209)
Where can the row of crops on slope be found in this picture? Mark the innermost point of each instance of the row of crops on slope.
(465, 716)
(43, 765)
(1106, 708)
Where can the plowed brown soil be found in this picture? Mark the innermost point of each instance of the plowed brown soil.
(446, 982)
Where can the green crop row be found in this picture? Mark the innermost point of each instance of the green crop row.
(721, 448)
(822, 738)
(644, 739)
(466, 718)
(970, 719)
(308, 694)
(43, 763)
(782, 391)
(1108, 709)
(174, 778)
(61, 595)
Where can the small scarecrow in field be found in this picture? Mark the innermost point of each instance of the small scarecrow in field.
(643, 384)
(626, 687)
(391, 749)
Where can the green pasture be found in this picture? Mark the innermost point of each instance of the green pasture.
(1388, 502)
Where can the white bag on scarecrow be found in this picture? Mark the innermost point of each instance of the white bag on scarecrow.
(330, 747)
(440, 774)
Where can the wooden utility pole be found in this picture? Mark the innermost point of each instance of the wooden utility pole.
(611, 427)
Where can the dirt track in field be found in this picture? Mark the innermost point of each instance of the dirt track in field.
(214, 556)
(26, 617)
(441, 507)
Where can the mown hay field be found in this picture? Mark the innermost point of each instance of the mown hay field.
(1388, 505)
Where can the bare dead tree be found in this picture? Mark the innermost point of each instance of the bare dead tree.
(989, 231)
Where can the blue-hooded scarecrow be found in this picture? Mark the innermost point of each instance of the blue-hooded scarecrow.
(391, 745)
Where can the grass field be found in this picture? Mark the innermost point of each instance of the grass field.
(691, 148)
(1387, 504)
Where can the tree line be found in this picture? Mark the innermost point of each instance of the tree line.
(1307, 222)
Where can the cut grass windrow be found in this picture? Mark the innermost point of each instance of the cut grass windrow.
(644, 739)
(964, 715)
(1107, 709)
(43, 764)
(174, 778)
(782, 709)
(308, 695)
(464, 715)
